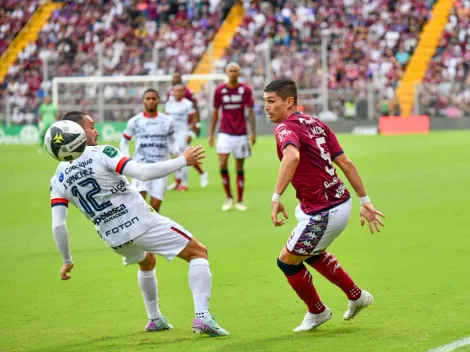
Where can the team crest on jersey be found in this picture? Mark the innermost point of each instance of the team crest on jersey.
(224, 90)
(58, 138)
(110, 151)
(241, 90)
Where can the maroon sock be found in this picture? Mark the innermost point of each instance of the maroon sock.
(240, 185)
(199, 169)
(327, 265)
(303, 285)
(226, 182)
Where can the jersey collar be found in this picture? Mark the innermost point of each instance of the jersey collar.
(148, 116)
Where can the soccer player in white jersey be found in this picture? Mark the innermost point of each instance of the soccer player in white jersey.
(180, 109)
(96, 185)
(154, 141)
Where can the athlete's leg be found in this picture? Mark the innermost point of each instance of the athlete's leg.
(149, 287)
(239, 163)
(155, 204)
(223, 163)
(200, 282)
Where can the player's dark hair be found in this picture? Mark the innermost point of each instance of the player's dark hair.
(75, 116)
(283, 87)
(151, 90)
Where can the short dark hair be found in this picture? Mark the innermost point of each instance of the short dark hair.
(151, 90)
(283, 87)
(75, 116)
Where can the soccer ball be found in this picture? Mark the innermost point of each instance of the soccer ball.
(65, 140)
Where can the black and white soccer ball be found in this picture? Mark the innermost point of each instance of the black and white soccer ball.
(65, 140)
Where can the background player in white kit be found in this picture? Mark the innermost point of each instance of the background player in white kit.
(154, 142)
(307, 147)
(96, 185)
(180, 109)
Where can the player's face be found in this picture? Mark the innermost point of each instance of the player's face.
(276, 107)
(178, 92)
(176, 79)
(91, 133)
(151, 101)
(232, 72)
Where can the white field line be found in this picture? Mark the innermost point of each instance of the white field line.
(464, 341)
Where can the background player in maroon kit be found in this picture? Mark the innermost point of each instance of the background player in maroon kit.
(307, 147)
(233, 97)
(194, 121)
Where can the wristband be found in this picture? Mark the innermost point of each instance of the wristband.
(364, 200)
(276, 197)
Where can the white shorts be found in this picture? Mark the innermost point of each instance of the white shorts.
(155, 188)
(167, 239)
(314, 233)
(238, 145)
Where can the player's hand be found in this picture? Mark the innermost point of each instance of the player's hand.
(276, 208)
(66, 268)
(372, 215)
(194, 155)
(253, 138)
(211, 141)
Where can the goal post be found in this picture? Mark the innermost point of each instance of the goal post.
(117, 98)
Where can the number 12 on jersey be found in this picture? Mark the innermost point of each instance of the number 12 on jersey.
(88, 202)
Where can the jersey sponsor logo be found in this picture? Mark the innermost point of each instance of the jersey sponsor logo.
(58, 138)
(122, 226)
(332, 183)
(153, 145)
(241, 90)
(61, 177)
(112, 214)
(282, 134)
(81, 164)
(232, 106)
(110, 151)
(315, 131)
(120, 187)
(224, 90)
(340, 191)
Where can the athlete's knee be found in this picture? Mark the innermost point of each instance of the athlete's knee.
(289, 269)
(148, 263)
(314, 258)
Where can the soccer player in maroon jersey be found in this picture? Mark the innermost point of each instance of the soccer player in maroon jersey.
(194, 121)
(307, 148)
(233, 97)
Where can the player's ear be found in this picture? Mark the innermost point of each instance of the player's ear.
(290, 102)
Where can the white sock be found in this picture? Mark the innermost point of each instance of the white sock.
(148, 286)
(200, 282)
(184, 177)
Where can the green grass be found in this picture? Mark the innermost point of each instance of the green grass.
(417, 268)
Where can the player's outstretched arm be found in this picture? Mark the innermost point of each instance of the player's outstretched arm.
(289, 163)
(190, 156)
(61, 237)
(368, 212)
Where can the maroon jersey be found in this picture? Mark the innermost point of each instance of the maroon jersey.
(233, 102)
(188, 94)
(317, 185)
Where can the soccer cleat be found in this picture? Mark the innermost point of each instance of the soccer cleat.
(228, 204)
(171, 187)
(240, 206)
(210, 328)
(159, 325)
(182, 188)
(311, 321)
(204, 180)
(354, 307)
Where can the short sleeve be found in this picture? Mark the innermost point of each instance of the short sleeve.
(333, 143)
(217, 99)
(130, 129)
(286, 135)
(249, 101)
(113, 158)
(57, 194)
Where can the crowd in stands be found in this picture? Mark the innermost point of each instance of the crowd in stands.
(13, 16)
(446, 88)
(368, 41)
(369, 44)
(128, 37)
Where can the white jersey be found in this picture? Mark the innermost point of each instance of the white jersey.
(154, 137)
(180, 112)
(95, 185)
